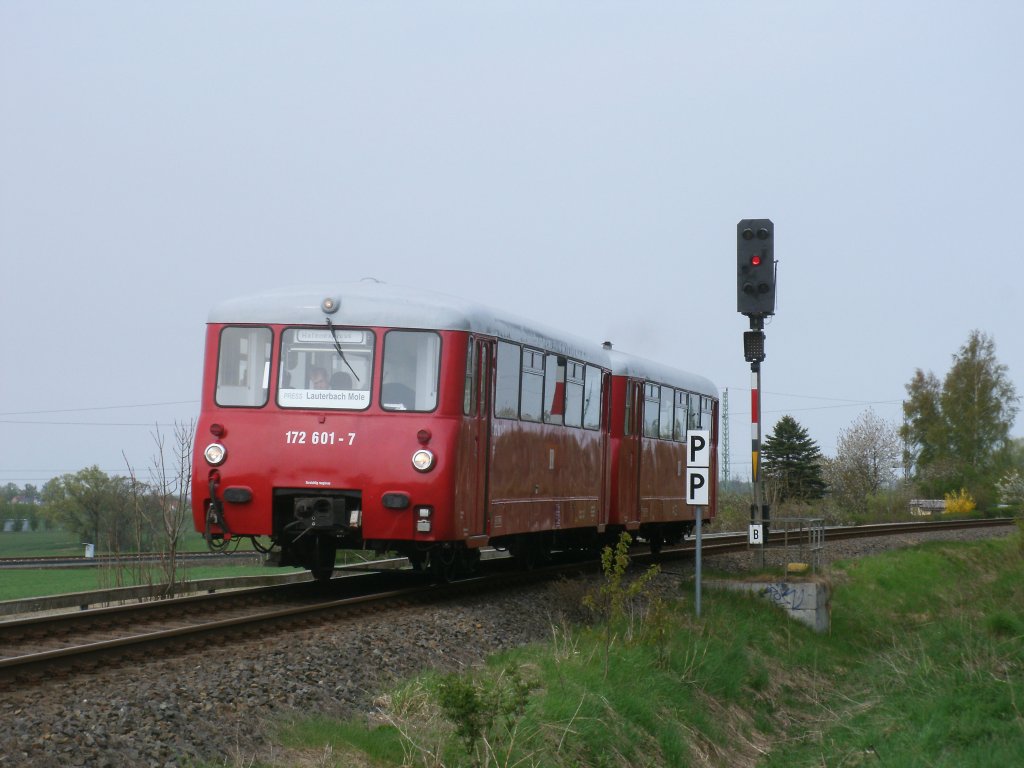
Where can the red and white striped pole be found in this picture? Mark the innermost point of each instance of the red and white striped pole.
(758, 510)
(755, 420)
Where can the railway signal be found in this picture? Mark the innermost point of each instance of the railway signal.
(755, 298)
(755, 267)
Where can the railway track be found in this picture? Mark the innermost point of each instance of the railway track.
(44, 646)
(36, 647)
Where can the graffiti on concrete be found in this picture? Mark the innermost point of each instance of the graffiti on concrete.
(785, 595)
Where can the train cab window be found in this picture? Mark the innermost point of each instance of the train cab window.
(574, 394)
(679, 422)
(410, 374)
(592, 398)
(554, 389)
(652, 409)
(531, 395)
(243, 367)
(506, 386)
(325, 368)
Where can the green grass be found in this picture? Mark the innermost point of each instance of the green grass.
(58, 542)
(924, 665)
(16, 584)
(39, 582)
(39, 544)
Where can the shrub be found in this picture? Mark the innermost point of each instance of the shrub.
(959, 503)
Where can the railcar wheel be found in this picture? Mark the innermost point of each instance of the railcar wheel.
(321, 557)
(471, 561)
(522, 552)
(656, 540)
(418, 561)
(444, 563)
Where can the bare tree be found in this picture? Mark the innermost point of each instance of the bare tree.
(172, 479)
(142, 528)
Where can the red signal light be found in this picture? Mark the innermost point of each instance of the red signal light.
(755, 260)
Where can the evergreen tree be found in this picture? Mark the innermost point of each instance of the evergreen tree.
(958, 435)
(792, 461)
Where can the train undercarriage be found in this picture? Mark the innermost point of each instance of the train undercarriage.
(311, 528)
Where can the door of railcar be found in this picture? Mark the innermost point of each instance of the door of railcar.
(629, 456)
(474, 449)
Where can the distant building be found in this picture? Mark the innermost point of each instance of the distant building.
(922, 507)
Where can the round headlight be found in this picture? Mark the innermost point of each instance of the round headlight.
(423, 460)
(215, 454)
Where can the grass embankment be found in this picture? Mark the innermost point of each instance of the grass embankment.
(924, 665)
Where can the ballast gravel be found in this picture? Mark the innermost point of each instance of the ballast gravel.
(217, 707)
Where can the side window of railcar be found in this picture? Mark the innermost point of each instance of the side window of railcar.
(506, 395)
(243, 367)
(679, 424)
(592, 398)
(531, 398)
(652, 408)
(412, 362)
(705, 408)
(693, 408)
(574, 394)
(554, 389)
(668, 397)
(325, 368)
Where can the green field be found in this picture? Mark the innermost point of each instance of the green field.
(20, 583)
(54, 543)
(39, 544)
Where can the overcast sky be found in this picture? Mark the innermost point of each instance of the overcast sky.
(580, 163)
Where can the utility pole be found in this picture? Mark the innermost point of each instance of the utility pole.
(726, 461)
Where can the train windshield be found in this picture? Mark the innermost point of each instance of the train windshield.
(326, 368)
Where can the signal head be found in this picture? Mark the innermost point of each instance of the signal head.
(755, 267)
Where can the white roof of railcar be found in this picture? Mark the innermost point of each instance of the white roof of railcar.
(372, 303)
(623, 364)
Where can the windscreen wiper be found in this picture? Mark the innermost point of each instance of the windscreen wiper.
(341, 352)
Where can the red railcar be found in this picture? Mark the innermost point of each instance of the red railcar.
(392, 419)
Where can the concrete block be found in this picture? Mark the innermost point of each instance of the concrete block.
(806, 601)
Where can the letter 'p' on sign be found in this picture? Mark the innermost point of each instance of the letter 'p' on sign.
(698, 461)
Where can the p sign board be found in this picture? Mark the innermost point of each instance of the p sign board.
(698, 467)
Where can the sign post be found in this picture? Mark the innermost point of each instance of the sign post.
(698, 467)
